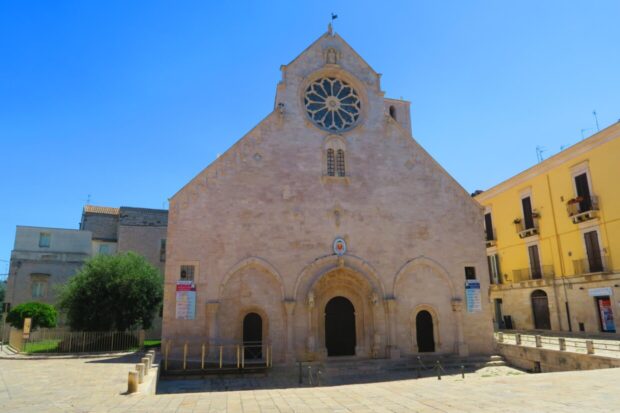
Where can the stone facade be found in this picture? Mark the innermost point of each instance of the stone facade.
(258, 227)
(43, 258)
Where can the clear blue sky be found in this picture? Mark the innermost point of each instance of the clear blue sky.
(127, 101)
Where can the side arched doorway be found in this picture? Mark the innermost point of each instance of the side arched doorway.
(424, 332)
(252, 336)
(340, 337)
(540, 309)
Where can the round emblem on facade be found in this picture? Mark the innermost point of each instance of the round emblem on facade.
(332, 104)
(340, 247)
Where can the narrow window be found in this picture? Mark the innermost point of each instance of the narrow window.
(393, 112)
(488, 226)
(535, 268)
(187, 273)
(162, 250)
(528, 217)
(583, 192)
(44, 239)
(331, 170)
(39, 285)
(494, 273)
(470, 273)
(595, 259)
(340, 162)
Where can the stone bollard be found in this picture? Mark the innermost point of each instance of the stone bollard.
(151, 358)
(132, 382)
(500, 337)
(589, 346)
(140, 368)
(518, 339)
(538, 340)
(562, 343)
(145, 361)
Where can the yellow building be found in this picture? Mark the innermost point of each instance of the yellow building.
(553, 236)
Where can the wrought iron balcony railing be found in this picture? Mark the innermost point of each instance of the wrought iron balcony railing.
(595, 264)
(526, 274)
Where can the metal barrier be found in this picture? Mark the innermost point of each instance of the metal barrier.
(196, 356)
(64, 341)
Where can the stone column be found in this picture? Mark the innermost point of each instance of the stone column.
(393, 351)
(289, 306)
(376, 337)
(310, 340)
(457, 307)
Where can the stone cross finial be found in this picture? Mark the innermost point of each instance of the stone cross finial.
(330, 29)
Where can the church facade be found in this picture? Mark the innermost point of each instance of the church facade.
(327, 230)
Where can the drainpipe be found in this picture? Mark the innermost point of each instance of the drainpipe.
(562, 269)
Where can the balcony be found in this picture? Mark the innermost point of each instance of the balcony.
(528, 274)
(597, 265)
(524, 231)
(582, 208)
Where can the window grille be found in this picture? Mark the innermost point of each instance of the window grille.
(340, 162)
(187, 273)
(330, 163)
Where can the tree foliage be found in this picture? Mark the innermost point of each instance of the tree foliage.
(43, 315)
(113, 292)
(2, 294)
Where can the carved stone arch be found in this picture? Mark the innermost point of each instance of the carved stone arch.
(255, 262)
(437, 268)
(311, 274)
(412, 321)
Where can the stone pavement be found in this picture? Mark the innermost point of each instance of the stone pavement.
(97, 385)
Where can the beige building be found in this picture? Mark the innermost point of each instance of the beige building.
(327, 230)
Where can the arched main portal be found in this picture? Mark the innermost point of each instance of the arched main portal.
(252, 336)
(340, 337)
(424, 332)
(540, 308)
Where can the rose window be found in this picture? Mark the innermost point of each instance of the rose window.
(332, 104)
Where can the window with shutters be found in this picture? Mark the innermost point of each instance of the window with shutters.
(488, 227)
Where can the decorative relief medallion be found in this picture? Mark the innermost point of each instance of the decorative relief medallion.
(332, 104)
(340, 247)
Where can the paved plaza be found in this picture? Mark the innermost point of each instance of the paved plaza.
(97, 385)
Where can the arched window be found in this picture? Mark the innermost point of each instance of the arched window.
(393, 112)
(331, 171)
(340, 162)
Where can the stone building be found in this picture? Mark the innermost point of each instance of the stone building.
(44, 258)
(327, 230)
(551, 240)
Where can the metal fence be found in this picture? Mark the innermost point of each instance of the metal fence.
(64, 341)
(179, 356)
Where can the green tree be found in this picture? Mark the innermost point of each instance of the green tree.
(43, 315)
(2, 294)
(113, 292)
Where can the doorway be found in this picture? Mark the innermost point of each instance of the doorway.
(252, 337)
(425, 333)
(340, 337)
(540, 308)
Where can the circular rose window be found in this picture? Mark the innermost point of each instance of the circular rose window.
(332, 104)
